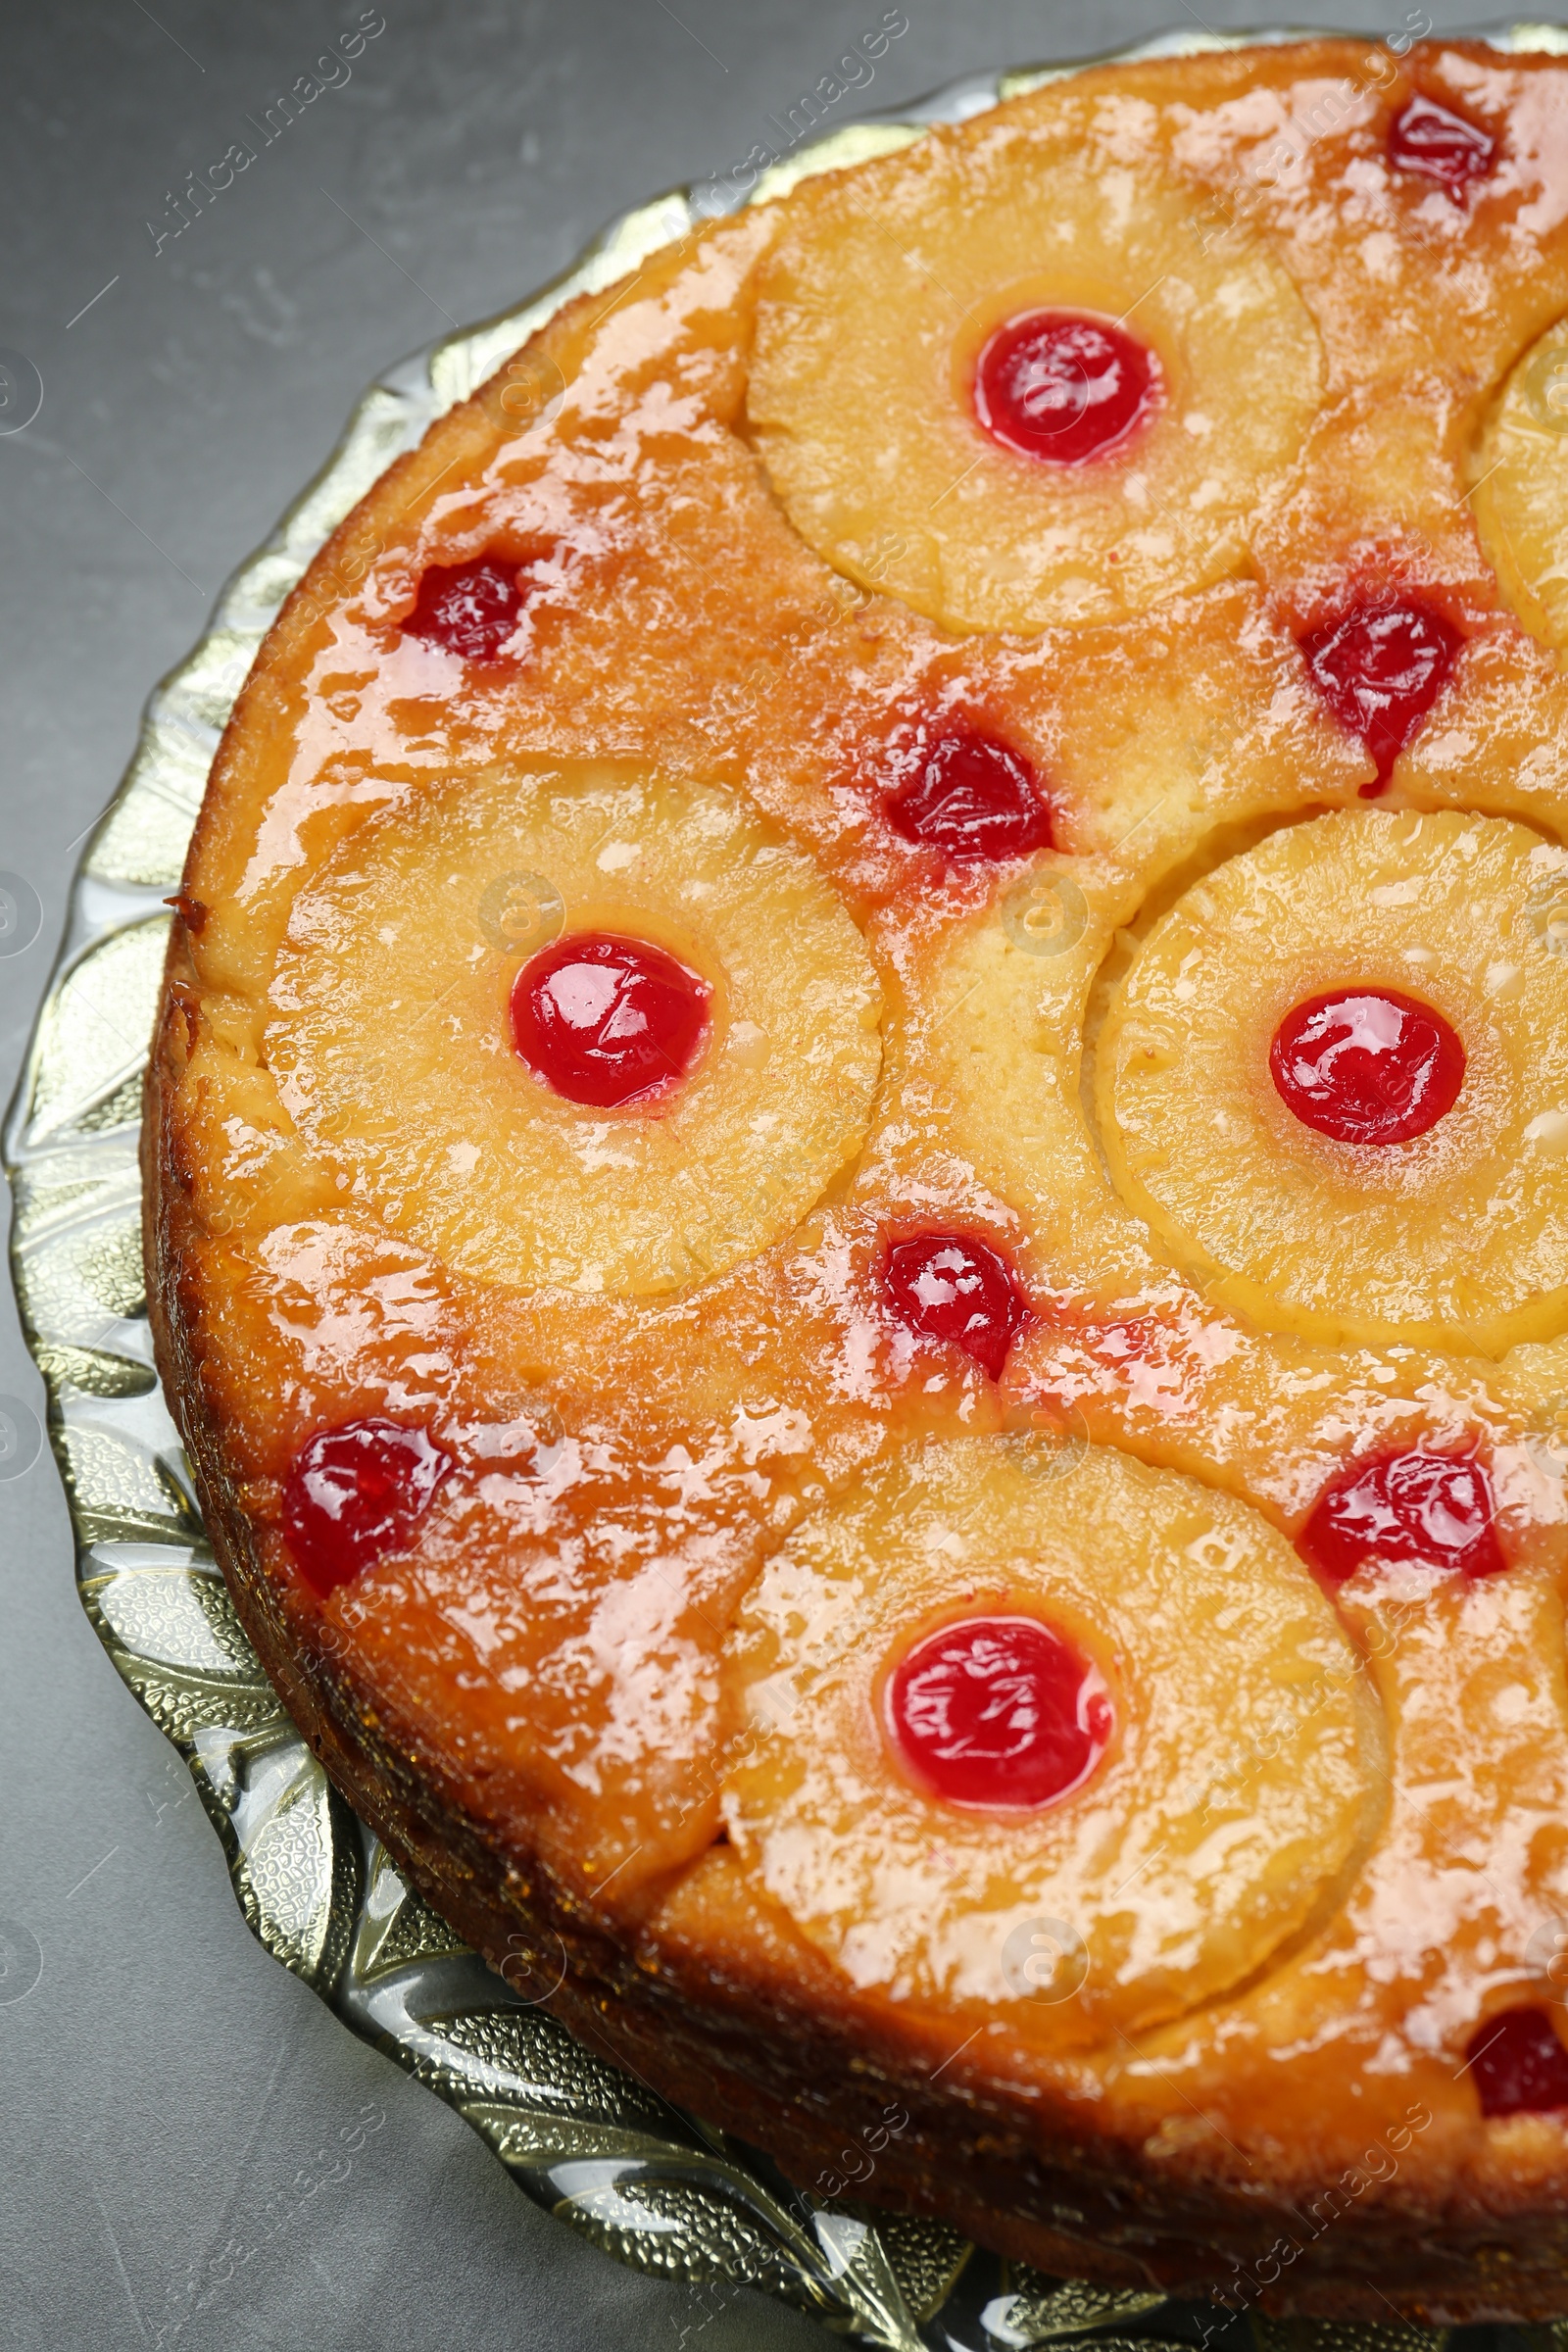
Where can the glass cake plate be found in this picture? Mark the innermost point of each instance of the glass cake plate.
(650, 2184)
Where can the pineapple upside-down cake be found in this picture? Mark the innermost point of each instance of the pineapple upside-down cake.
(857, 1171)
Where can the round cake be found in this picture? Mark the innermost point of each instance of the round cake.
(858, 1173)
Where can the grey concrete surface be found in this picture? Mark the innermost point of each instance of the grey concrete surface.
(164, 2086)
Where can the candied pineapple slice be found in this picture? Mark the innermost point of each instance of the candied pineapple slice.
(1453, 1236)
(885, 288)
(1221, 1818)
(1521, 493)
(392, 1041)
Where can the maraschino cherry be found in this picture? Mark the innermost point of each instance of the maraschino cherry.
(997, 1711)
(1412, 1508)
(1367, 1065)
(1380, 666)
(468, 609)
(1065, 386)
(954, 1287)
(356, 1493)
(1518, 2064)
(1435, 143)
(973, 797)
(607, 1020)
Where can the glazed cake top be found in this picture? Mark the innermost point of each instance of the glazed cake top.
(875, 1104)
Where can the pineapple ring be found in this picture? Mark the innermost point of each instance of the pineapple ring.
(1229, 1809)
(1457, 1238)
(1521, 493)
(391, 999)
(867, 336)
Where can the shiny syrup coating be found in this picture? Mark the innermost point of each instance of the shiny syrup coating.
(468, 608)
(1065, 386)
(356, 1493)
(1380, 668)
(1367, 1065)
(1518, 2064)
(955, 1288)
(1262, 2080)
(607, 1020)
(1435, 143)
(997, 1712)
(1408, 1508)
(973, 797)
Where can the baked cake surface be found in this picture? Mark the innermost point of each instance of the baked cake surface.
(857, 1171)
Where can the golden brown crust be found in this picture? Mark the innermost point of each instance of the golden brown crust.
(692, 1978)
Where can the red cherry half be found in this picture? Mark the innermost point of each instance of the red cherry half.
(997, 1711)
(1367, 1065)
(468, 609)
(1380, 668)
(1518, 2064)
(973, 797)
(1435, 143)
(356, 1493)
(1426, 1510)
(607, 1020)
(1065, 386)
(952, 1286)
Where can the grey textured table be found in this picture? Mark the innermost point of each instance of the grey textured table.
(165, 2087)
